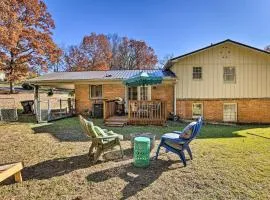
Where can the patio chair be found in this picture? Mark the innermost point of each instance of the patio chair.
(102, 139)
(171, 142)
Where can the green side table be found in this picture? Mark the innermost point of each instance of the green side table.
(141, 153)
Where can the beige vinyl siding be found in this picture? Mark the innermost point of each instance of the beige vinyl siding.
(252, 69)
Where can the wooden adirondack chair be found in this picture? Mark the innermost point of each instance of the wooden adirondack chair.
(102, 139)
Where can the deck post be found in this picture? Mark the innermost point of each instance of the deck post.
(61, 108)
(129, 108)
(69, 106)
(49, 110)
(36, 103)
(104, 109)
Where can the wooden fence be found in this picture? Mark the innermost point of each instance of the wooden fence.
(109, 109)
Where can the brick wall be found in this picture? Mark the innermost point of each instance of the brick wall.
(83, 102)
(164, 92)
(82, 98)
(110, 91)
(248, 110)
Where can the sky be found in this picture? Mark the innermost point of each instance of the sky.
(169, 26)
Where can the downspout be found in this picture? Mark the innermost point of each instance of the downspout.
(174, 99)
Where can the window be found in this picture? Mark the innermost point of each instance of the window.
(139, 93)
(230, 112)
(132, 93)
(95, 91)
(144, 93)
(197, 110)
(197, 73)
(229, 74)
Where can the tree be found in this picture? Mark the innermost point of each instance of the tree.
(76, 60)
(26, 38)
(94, 53)
(267, 48)
(115, 41)
(162, 62)
(134, 54)
(141, 55)
(100, 52)
(59, 65)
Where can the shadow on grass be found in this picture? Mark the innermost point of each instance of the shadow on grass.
(268, 138)
(137, 178)
(69, 130)
(61, 166)
(56, 167)
(262, 132)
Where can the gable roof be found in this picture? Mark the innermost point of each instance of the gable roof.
(168, 65)
(97, 75)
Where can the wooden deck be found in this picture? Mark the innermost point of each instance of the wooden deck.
(139, 112)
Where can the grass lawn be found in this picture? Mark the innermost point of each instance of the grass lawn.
(230, 162)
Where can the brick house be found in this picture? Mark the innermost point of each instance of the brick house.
(224, 82)
(93, 88)
(227, 81)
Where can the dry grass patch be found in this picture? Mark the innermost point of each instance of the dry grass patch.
(229, 163)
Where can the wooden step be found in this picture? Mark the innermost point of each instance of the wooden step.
(115, 124)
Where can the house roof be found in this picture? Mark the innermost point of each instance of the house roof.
(96, 75)
(168, 65)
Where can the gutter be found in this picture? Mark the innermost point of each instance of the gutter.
(72, 81)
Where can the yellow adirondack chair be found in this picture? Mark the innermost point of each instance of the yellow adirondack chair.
(102, 139)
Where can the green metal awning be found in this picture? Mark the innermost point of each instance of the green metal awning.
(143, 78)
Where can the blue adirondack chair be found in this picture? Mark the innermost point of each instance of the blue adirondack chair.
(171, 142)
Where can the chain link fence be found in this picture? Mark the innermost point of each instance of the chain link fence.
(8, 109)
(53, 109)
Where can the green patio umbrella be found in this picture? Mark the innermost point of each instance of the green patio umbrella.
(144, 78)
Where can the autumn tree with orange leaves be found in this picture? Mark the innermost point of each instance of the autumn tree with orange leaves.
(104, 52)
(93, 53)
(134, 54)
(26, 39)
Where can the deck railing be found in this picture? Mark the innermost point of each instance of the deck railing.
(147, 112)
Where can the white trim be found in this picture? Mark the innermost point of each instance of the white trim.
(90, 93)
(138, 93)
(149, 93)
(126, 99)
(195, 116)
(229, 81)
(235, 112)
(174, 100)
(197, 79)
